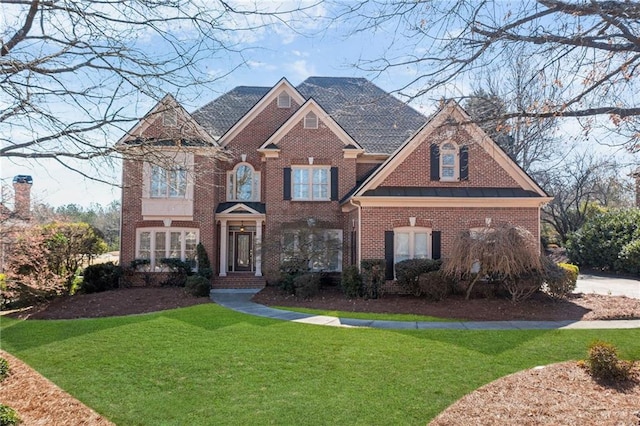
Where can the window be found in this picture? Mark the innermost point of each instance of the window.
(170, 118)
(168, 183)
(167, 243)
(320, 248)
(449, 161)
(411, 243)
(243, 184)
(284, 100)
(311, 183)
(311, 121)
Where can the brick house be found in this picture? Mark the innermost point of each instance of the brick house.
(246, 174)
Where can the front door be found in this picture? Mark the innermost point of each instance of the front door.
(244, 252)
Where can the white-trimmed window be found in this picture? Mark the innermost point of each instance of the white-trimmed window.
(311, 183)
(284, 100)
(411, 242)
(449, 162)
(243, 183)
(322, 248)
(311, 121)
(168, 183)
(156, 244)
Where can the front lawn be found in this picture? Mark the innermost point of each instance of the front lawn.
(207, 365)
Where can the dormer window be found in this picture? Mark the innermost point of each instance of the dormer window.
(243, 183)
(311, 121)
(284, 100)
(170, 118)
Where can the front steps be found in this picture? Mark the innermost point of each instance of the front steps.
(238, 280)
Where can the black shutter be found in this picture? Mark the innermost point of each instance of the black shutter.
(435, 162)
(388, 255)
(286, 185)
(334, 184)
(436, 237)
(464, 163)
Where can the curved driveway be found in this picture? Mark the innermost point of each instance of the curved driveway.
(608, 285)
(240, 300)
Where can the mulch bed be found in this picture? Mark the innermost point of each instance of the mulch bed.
(538, 308)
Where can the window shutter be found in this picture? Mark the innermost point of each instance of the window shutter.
(464, 162)
(435, 162)
(436, 237)
(334, 184)
(286, 185)
(388, 255)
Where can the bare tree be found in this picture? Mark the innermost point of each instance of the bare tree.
(532, 143)
(588, 51)
(73, 74)
(579, 187)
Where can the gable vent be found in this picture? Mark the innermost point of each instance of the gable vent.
(284, 100)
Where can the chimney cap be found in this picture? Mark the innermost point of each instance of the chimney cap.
(23, 179)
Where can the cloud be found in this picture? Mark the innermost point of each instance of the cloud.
(300, 69)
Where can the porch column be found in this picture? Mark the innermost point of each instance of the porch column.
(258, 248)
(223, 247)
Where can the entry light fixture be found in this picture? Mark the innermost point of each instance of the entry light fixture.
(241, 226)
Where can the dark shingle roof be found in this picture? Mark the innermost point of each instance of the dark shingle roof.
(375, 119)
(404, 191)
(221, 114)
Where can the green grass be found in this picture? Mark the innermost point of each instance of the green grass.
(367, 315)
(207, 365)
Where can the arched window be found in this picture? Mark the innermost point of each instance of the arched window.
(243, 183)
(449, 161)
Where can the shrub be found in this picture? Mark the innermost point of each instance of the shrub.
(197, 286)
(434, 285)
(306, 285)
(373, 277)
(521, 287)
(8, 416)
(178, 272)
(289, 271)
(4, 369)
(560, 279)
(603, 363)
(601, 239)
(204, 265)
(408, 271)
(100, 277)
(351, 282)
(629, 258)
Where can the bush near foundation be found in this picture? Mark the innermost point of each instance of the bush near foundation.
(373, 277)
(100, 277)
(408, 273)
(307, 285)
(197, 286)
(351, 282)
(434, 285)
(560, 279)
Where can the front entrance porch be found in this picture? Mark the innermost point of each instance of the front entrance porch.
(240, 239)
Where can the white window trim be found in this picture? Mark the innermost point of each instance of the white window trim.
(412, 231)
(311, 120)
(179, 160)
(232, 183)
(456, 162)
(169, 172)
(310, 170)
(154, 265)
(284, 100)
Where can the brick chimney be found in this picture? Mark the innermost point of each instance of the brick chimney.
(22, 196)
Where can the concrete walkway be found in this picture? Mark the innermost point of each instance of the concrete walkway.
(240, 300)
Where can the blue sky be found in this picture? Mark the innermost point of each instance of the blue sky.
(269, 55)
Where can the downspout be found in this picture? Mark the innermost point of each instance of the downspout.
(359, 233)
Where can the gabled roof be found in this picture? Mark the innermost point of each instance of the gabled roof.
(373, 118)
(198, 137)
(379, 122)
(310, 106)
(218, 116)
(451, 110)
